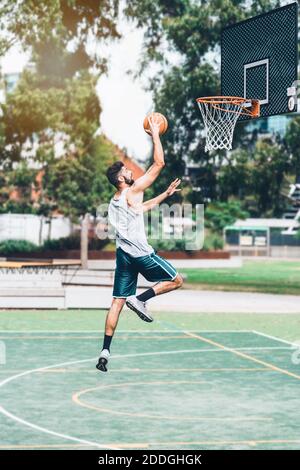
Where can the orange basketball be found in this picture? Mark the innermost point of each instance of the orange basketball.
(163, 123)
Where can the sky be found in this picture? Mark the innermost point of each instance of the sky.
(123, 99)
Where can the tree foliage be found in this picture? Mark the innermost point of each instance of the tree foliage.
(220, 214)
(49, 122)
(192, 30)
(52, 27)
(292, 139)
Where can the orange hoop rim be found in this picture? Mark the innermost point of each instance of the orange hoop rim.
(214, 101)
(222, 99)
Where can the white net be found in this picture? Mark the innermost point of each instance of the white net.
(220, 117)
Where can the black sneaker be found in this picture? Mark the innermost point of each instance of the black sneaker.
(103, 360)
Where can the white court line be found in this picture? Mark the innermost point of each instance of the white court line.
(259, 348)
(217, 350)
(125, 331)
(40, 369)
(94, 444)
(39, 428)
(57, 434)
(275, 338)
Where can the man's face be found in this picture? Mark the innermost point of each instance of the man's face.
(127, 175)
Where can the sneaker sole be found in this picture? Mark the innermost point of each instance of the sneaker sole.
(140, 314)
(102, 365)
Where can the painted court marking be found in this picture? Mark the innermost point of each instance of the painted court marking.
(124, 331)
(147, 337)
(54, 433)
(161, 370)
(143, 445)
(146, 445)
(76, 398)
(41, 369)
(245, 356)
(275, 338)
(114, 447)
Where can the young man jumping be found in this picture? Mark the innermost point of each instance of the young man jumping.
(134, 255)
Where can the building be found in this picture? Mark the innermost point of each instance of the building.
(273, 125)
(10, 81)
(263, 237)
(293, 212)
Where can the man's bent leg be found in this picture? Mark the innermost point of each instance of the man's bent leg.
(161, 287)
(155, 269)
(167, 286)
(138, 303)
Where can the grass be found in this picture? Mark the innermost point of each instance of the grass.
(275, 277)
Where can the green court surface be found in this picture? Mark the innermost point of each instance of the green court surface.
(194, 381)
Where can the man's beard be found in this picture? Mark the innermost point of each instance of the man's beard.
(129, 181)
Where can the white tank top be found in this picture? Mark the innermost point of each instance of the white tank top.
(129, 226)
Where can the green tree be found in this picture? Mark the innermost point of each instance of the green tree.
(32, 116)
(51, 118)
(76, 184)
(292, 139)
(257, 177)
(220, 214)
(270, 163)
(35, 122)
(52, 27)
(192, 30)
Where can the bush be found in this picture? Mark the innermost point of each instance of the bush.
(168, 245)
(72, 243)
(213, 242)
(64, 243)
(96, 244)
(12, 247)
(220, 214)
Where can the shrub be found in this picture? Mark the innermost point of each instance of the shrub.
(220, 214)
(168, 245)
(213, 242)
(64, 243)
(11, 247)
(72, 243)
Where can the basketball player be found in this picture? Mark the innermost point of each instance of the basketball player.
(134, 255)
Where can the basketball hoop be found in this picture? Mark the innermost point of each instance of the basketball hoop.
(220, 115)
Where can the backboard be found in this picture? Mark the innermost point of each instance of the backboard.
(259, 59)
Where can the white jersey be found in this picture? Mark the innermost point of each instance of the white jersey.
(129, 226)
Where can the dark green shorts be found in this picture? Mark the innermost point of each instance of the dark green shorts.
(152, 267)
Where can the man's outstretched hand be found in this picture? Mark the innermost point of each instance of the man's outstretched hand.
(148, 205)
(173, 187)
(154, 123)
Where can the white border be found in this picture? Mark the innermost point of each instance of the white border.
(250, 66)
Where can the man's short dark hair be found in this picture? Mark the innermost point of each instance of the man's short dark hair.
(113, 173)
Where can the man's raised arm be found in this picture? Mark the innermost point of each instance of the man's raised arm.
(154, 170)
